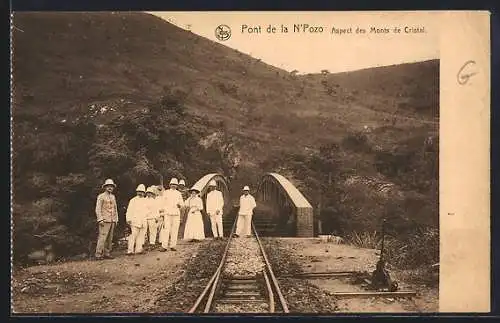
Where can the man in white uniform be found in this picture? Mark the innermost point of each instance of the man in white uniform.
(135, 217)
(152, 213)
(171, 204)
(159, 196)
(247, 205)
(215, 205)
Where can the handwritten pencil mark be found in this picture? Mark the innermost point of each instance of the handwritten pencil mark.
(462, 75)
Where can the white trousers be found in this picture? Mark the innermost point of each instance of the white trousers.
(170, 231)
(216, 221)
(159, 228)
(244, 225)
(153, 230)
(136, 239)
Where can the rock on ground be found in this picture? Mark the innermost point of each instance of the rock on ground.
(241, 308)
(243, 258)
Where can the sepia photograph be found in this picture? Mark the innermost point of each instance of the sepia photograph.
(226, 162)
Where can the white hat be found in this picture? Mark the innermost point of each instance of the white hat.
(151, 190)
(212, 183)
(109, 182)
(181, 182)
(246, 188)
(174, 181)
(141, 188)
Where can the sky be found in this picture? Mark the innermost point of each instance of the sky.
(315, 51)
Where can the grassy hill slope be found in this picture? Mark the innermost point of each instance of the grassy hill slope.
(380, 124)
(65, 62)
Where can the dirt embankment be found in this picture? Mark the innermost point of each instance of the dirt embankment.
(290, 256)
(155, 282)
(170, 282)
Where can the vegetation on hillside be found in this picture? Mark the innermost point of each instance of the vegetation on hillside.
(59, 167)
(131, 97)
(354, 187)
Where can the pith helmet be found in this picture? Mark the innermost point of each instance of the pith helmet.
(108, 182)
(194, 189)
(246, 188)
(141, 188)
(181, 182)
(151, 190)
(174, 181)
(212, 183)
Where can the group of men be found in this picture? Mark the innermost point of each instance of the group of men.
(159, 212)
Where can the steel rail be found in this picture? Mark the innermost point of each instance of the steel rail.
(214, 283)
(271, 274)
(210, 299)
(270, 293)
(215, 276)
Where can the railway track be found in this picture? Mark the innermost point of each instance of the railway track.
(240, 285)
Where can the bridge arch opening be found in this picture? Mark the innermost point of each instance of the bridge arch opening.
(282, 210)
(202, 186)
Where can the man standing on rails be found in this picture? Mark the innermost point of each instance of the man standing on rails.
(171, 203)
(106, 211)
(247, 205)
(215, 205)
(135, 219)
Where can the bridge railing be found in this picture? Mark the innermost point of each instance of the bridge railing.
(277, 189)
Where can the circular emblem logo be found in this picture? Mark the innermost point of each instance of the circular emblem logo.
(223, 32)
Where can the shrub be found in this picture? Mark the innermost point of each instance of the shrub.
(364, 240)
(421, 248)
(357, 141)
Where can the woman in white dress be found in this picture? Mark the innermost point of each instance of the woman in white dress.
(194, 230)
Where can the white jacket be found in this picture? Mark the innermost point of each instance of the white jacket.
(170, 202)
(136, 211)
(247, 204)
(152, 208)
(215, 202)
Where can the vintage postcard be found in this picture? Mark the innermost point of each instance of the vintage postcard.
(250, 162)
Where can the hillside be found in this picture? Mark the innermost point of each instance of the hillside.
(410, 90)
(65, 62)
(130, 96)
